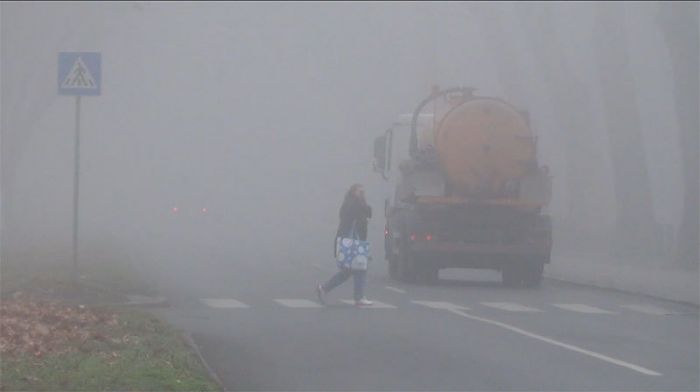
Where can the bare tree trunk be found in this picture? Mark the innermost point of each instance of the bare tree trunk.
(635, 211)
(430, 16)
(570, 100)
(489, 18)
(679, 23)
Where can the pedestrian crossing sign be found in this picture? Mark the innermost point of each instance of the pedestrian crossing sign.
(79, 73)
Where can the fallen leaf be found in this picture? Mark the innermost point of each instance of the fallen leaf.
(42, 329)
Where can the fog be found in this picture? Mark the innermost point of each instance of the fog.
(265, 113)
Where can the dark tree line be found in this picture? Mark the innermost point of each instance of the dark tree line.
(679, 24)
(636, 231)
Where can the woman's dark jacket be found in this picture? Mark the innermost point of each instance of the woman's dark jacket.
(357, 212)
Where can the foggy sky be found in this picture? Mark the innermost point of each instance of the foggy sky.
(265, 113)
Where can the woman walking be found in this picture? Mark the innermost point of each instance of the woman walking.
(354, 214)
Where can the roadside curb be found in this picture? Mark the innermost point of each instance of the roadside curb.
(144, 301)
(585, 283)
(193, 345)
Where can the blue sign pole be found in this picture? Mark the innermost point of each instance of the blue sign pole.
(76, 186)
(79, 73)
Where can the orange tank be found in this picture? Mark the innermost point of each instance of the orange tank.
(483, 145)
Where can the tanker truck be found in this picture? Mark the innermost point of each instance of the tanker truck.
(469, 192)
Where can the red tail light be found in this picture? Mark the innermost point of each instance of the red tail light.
(175, 210)
(413, 237)
(428, 237)
(204, 210)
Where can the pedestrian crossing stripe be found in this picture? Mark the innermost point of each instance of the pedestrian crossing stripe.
(224, 303)
(79, 77)
(510, 307)
(375, 305)
(649, 309)
(440, 305)
(301, 303)
(297, 303)
(581, 308)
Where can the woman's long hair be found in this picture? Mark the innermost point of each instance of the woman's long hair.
(350, 194)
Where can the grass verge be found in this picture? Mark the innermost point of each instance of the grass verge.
(126, 350)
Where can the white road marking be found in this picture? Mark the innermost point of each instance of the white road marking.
(510, 306)
(376, 305)
(440, 305)
(581, 308)
(557, 343)
(649, 309)
(224, 303)
(395, 289)
(297, 303)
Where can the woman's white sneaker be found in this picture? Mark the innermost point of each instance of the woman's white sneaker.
(320, 294)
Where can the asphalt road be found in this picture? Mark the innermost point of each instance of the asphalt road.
(261, 329)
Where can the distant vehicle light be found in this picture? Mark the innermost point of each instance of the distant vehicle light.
(429, 237)
(204, 210)
(413, 237)
(175, 210)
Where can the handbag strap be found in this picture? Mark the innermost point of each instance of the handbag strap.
(353, 232)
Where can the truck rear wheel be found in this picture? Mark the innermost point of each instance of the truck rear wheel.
(532, 274)
(522, 273)
(405, 267)
(427, 274)
(511, 275)
(393, 267)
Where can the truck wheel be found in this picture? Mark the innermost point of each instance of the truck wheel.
(428, 274)
(511, 275)
(405, 268)
(393, 267)
(532, 274)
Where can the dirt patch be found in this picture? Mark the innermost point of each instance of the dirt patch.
(40, 327)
